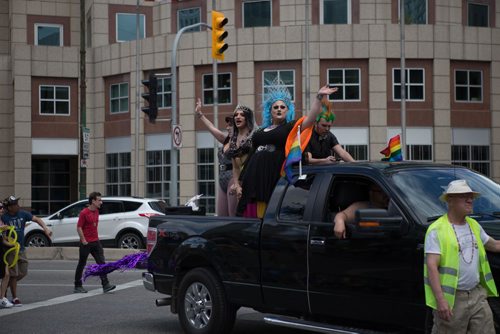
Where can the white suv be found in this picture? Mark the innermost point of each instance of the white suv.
(123, 223)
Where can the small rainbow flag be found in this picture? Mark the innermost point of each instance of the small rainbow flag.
(296, 143)
(393, 151)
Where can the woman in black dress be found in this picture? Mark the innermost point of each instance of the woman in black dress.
(262, 170)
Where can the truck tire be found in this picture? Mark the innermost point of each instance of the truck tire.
(203, 306)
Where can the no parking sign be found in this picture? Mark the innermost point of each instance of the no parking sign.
(177, 136)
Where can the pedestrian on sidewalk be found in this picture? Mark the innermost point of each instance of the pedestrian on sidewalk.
(14, 216)
(4, 268)
(89, 242)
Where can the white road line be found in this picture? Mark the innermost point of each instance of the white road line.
(66, 299)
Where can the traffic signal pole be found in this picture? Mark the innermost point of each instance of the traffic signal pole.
(173, 152)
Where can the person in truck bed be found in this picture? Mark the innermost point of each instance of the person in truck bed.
(457, 275)
(377, 199)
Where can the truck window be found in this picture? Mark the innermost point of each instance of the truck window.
(295, 199)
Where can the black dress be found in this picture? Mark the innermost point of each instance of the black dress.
(262, 171)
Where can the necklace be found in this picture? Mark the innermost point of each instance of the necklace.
(473, 244)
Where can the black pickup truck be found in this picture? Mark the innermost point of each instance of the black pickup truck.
(292, 267)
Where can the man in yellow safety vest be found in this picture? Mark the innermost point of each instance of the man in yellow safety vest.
(457, 274)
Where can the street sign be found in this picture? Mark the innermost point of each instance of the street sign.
(85, 144)
(177, 136)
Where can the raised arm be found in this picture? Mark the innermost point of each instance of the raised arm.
(218, 134)
(316, 106)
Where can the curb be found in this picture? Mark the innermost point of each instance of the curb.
(72, 253)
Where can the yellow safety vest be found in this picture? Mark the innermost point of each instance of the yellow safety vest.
(449, 263)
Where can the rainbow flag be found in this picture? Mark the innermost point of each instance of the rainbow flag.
(393, 151)
(296, 143)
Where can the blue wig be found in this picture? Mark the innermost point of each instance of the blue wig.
(276, 91)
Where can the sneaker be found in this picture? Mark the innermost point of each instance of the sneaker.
(5, 303)
(79, 289)
(108, 287)
(16, 302)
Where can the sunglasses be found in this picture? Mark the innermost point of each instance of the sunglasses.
(281, 106)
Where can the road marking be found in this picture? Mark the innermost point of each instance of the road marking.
(66, 299)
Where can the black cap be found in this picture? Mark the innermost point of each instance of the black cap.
(11, 200)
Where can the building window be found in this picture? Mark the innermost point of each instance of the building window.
(336, 11)
(473, 157)
(468, 86)
(415, 78)
(257, 14)
(158, 174)
(477, 15)
(418, 152)
(187, 17)
(415, 11)
(358, 152)
(164, 99)
(348, 81)
(54, 100)
(48, 34)
(118, 174)
(223, 88)
(206, 179)
(50, 185)
(119, 98)
(285, 77)
(126, 27)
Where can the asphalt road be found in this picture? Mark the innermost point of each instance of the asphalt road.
(49, 306)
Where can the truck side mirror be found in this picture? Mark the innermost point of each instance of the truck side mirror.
(376, 223)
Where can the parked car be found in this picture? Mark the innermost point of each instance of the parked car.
(291, 266)
(123, 223)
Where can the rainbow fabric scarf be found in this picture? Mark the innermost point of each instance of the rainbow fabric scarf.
(393, 151)
(293, 150)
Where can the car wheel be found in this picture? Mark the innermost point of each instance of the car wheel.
(130, 240)
(203, 306)
(37, 240)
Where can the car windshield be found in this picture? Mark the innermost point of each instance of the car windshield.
(159, 206)
(422, 188)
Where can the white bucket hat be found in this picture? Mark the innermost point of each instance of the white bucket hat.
(458, 187)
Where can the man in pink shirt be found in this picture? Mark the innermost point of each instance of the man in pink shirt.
(89, 242)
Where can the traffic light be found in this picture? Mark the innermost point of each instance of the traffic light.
(152, 108)
(218, 35)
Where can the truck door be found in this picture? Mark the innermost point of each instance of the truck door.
(366, 278)
(284, 238)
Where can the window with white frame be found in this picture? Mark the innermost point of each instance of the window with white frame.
(158, 174)
(414, 87)
(477, 15)
(223, 88)
(119, 98)
(335, 11)
(348, 82)
(257, 13)
(206, 179)
(358, 152)
(164, 99)
(285, 77)
(54, 100)
(416, 11)
(126, 27)
(49, 34)
(118, 174)
(418, 152)
(468, 86)
(187, 17)
(476, 157)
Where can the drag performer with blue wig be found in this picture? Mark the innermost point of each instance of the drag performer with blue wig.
(262, 170)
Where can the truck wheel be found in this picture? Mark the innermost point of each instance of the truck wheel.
(203, 307)
(37, 240)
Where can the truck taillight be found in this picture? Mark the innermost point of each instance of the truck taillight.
(151, 239)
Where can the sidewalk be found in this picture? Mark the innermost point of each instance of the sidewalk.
(71, 253)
